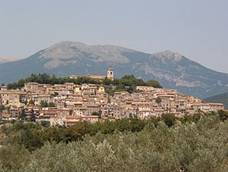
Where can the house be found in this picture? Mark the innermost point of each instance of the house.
(208, 107)
(3, 88)
(144, 88)
(90, 118)
(12, 98)
(109, 75)
(38, 98)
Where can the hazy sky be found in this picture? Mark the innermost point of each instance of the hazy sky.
(197, 29)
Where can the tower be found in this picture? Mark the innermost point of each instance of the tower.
(110, 74)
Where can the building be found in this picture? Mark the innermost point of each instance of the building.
(208, 107)
(110, 74)
(144, 88)
(91, 102)
(12, 98)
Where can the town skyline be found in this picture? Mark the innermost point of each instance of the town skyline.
(92, 98)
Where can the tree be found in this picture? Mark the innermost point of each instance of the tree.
(33, 116)
(51, 104)
(97, 114)
(169, 119)
(43, 103)
(158, 100)
(2, 107)
(153, 83)
(12, 157)
(46, 104)
(223, 115)
(107, 81)
(22, 115)
(55, 94)
(31, 102)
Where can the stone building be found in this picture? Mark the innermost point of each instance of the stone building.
(110, 74)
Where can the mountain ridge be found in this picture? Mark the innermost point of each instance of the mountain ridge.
(172, 69)
(6, 59)
(221, 98)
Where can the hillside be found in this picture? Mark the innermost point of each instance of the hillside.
(173, 70)
(6, 59)
(221, 98)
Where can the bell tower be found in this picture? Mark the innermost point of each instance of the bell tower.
(110, 74)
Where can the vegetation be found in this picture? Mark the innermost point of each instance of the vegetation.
(158, 100)
(192, 143)
(97, 114)
(127, 82)
(2, 108)
(47, 104)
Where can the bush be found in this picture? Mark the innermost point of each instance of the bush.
(127, 82)
(13, 157)
(191, 147)
(159, 144)
(169, 119)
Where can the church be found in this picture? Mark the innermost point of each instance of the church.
(109, 75)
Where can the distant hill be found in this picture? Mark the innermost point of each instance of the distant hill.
(171, 69)
(6, 59)
(221, 98)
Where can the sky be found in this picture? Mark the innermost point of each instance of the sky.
(198, 29)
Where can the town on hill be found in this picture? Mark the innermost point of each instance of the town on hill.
(92, 98)
(170, 68)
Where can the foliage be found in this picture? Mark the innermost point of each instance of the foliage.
(223, 115)
(13, 157)
(158, 144)
(2, 107)
(127, 82)
(158, 100)
(153, 83)
(97, 114)
(31, 102)
(169, 119)
(46, 104)
(22, 115)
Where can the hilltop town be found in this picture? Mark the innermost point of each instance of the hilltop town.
(68, 103)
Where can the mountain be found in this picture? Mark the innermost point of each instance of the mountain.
(221, 98)
(173, 70)
(6, 59)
